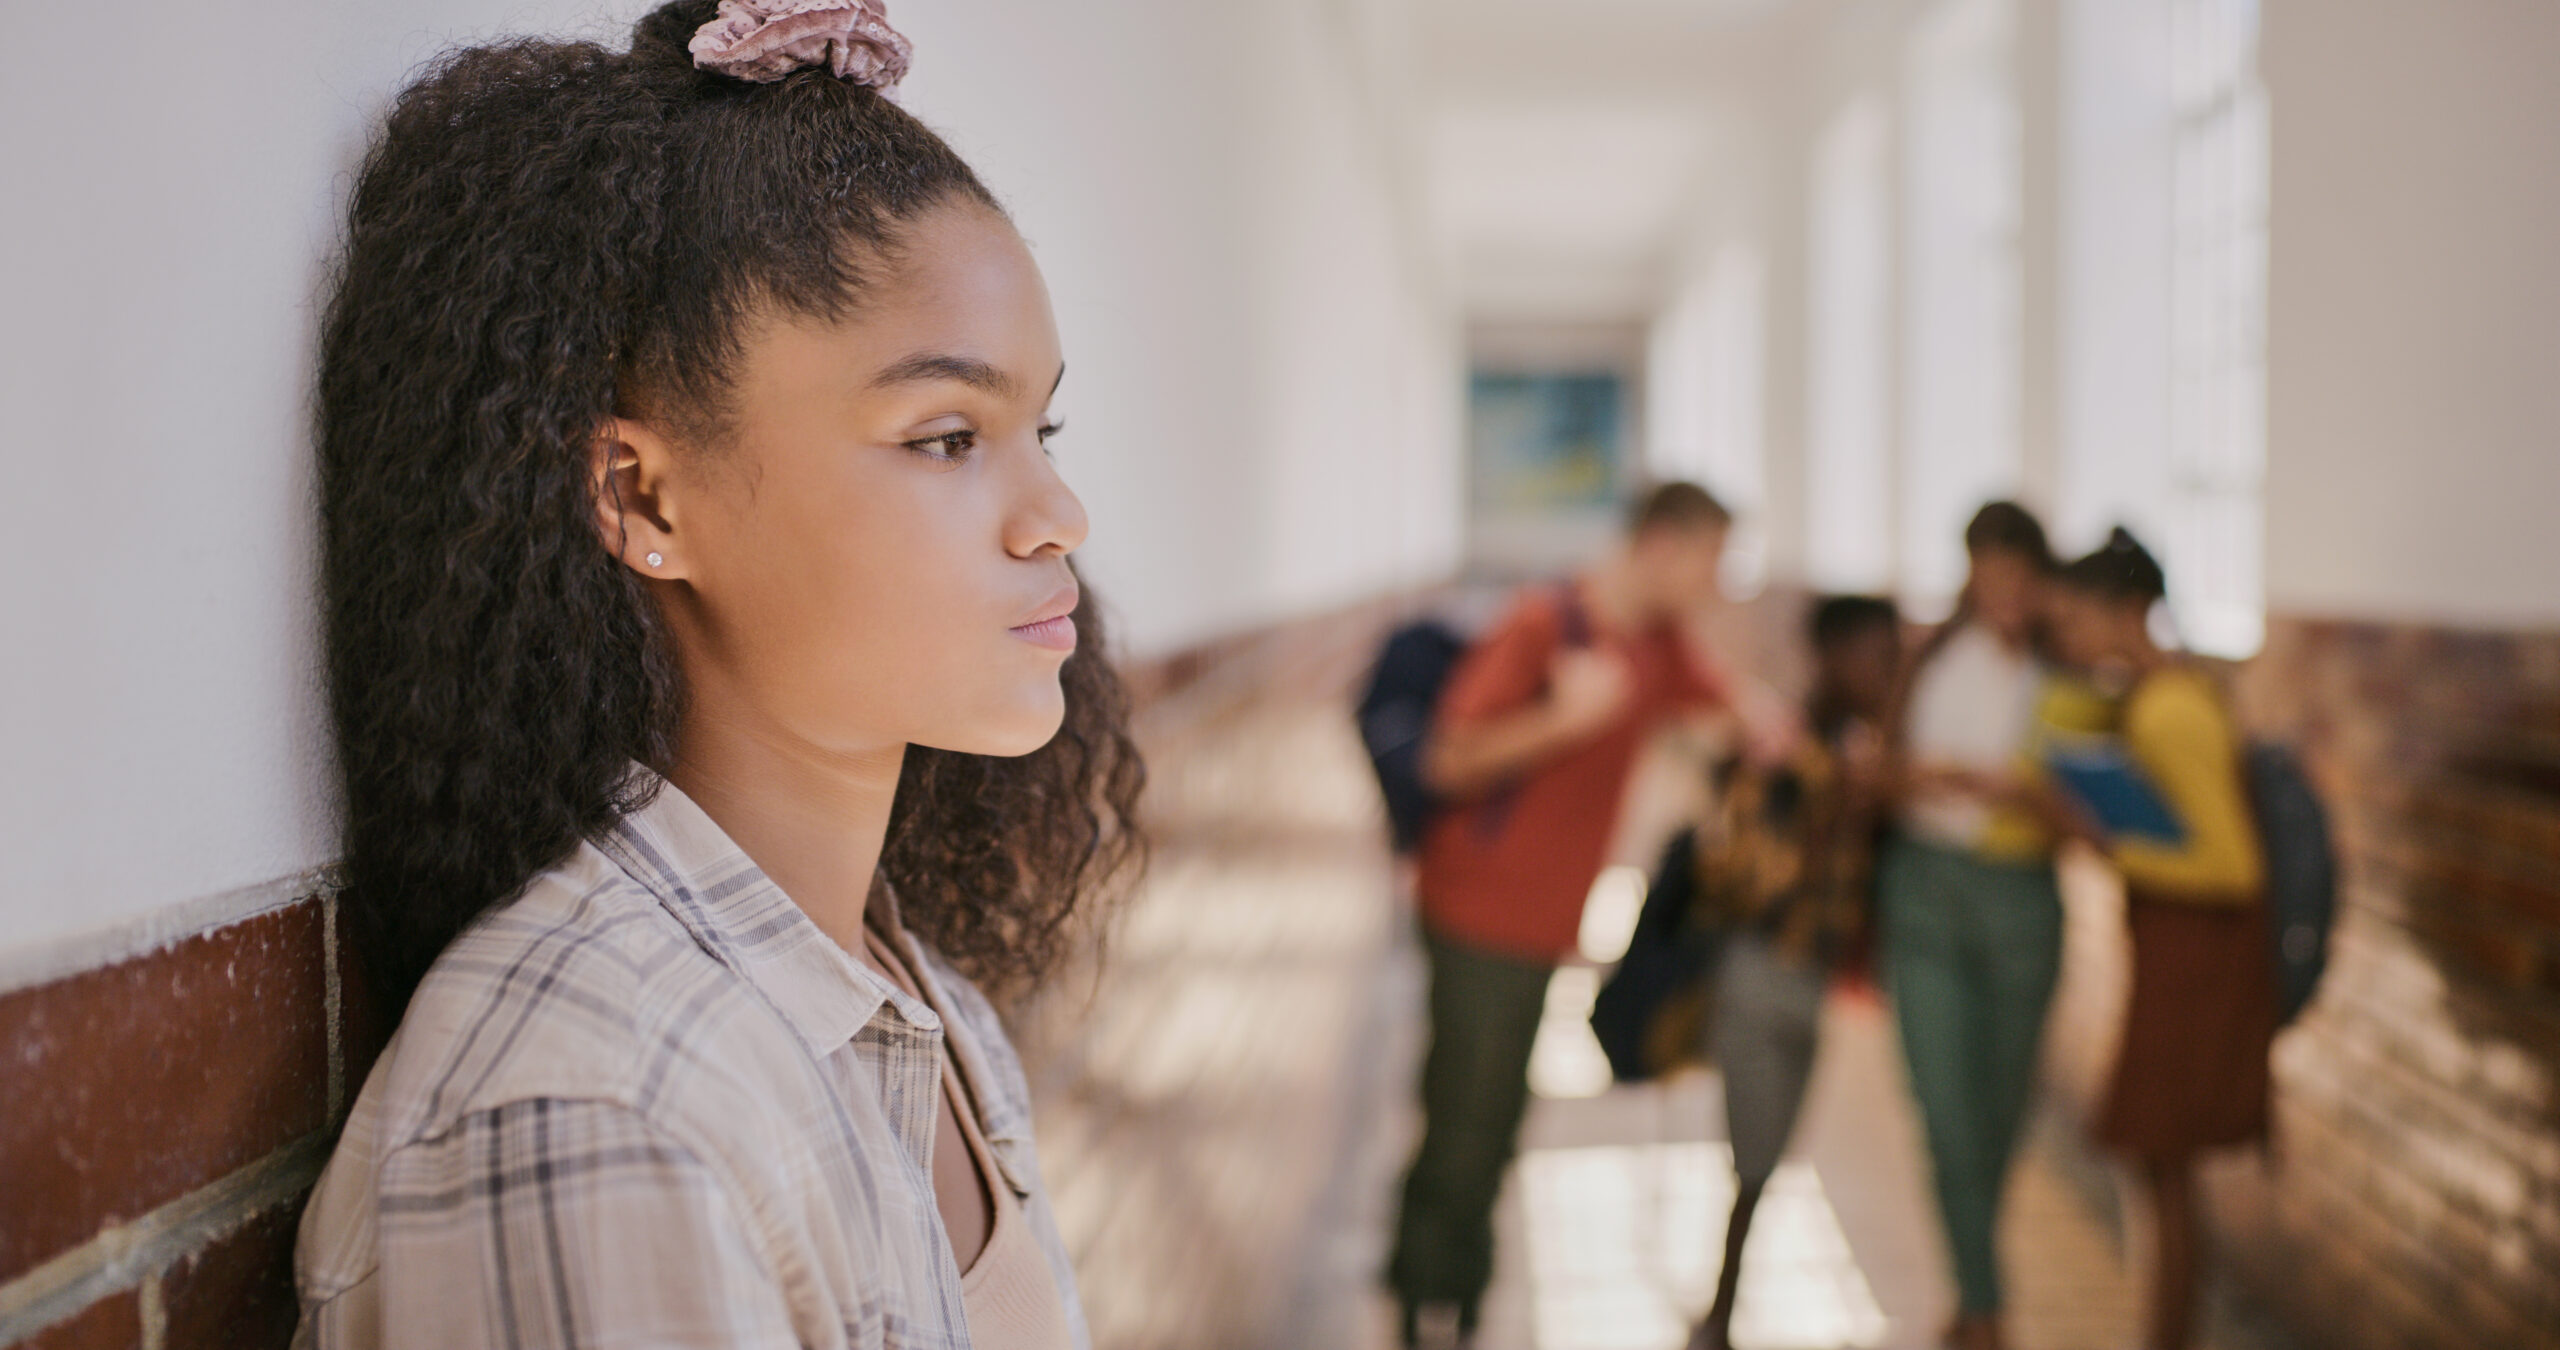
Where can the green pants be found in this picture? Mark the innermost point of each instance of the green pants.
(1475, 1085)
(1971, 952)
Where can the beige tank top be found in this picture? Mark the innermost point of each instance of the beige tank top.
(1008, 1292)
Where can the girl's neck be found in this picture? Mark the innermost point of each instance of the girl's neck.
(813, 820)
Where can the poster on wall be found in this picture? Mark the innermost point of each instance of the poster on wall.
(1544, 444)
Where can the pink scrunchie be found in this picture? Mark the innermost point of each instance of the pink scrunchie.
(764, 40)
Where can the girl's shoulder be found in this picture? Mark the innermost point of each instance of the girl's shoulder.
(2180, 700)
(2068, 701)
(572, 991)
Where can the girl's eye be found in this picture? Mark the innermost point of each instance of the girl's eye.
(1049, 429)
(950, 445)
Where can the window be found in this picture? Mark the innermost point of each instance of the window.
(1703, 382)
(1962, 355)
(1848, 466)
(2218, 309)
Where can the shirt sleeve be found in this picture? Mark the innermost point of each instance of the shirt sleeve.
(1505, 670)
(2180, 737)
(548, 1224)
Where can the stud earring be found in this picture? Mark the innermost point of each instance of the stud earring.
(655, 559)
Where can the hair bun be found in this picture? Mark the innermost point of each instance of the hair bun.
(2121, 569)
(765, 40)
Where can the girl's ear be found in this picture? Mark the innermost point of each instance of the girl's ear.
(631, 468)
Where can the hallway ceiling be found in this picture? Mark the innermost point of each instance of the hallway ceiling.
(1562, 203)
(1564, 148)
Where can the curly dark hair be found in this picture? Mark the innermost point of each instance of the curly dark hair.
(543, 236)
(2120, 572)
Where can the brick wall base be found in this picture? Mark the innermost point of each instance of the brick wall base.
(168, 1109)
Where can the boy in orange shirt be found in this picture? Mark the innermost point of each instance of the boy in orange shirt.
(1536, 732)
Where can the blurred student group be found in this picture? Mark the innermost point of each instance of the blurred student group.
(1818, 673)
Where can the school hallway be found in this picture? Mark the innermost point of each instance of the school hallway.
(1229, 1180)
(1373, 308)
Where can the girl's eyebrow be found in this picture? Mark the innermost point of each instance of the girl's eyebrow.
(927, 367)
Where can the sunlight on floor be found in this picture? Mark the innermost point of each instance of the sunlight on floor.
(1624, 1242)
(1609, 914)
(1565, 1060)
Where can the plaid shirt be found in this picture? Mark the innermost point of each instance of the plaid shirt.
(651, 1104)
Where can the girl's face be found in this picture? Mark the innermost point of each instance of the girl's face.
(1862, 669)
(2088, 631)
(877, 556)
(2003, 590)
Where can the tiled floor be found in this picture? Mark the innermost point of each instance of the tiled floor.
(1224, 1110)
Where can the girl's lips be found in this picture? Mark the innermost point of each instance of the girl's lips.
(1058, 634)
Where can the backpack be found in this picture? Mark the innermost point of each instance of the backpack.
(1395, 716)
(1649, 1015)
(2302, 871)
(1396, 707)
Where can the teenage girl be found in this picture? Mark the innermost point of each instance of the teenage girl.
(2192, 1071)
(714, 699)
(1971, 914)
(1783, 866)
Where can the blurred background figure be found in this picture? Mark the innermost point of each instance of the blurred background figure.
(1386, 308)
(2191, 1067)
(1784, 864)
(1972, 912)
(1530, 750)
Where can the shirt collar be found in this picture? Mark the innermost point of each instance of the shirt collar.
(675, 850)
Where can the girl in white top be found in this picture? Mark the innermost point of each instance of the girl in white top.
(1970, 917)
(1971, 710)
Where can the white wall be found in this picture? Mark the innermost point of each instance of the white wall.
(1261, 387)
(1849, 447)
(2414, 339)
(165, 211)
(1706, 379)
(1359, 368)
(1961, 317)
(158, 253)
